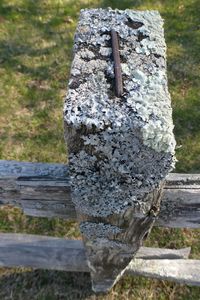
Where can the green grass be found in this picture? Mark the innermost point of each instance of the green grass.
(36, 39)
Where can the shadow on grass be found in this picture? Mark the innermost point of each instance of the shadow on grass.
(40, 284)
(182, 33)
(125, 4)
(53, 23)
(182, 30)
(37, 22)
(36, 41)
(181, 27)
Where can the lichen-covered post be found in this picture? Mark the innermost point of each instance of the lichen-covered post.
(120, 148)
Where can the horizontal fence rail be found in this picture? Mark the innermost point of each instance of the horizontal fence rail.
(44, 252)
(43, 190)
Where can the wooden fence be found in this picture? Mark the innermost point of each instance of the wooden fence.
(43, 190)
(119, 133)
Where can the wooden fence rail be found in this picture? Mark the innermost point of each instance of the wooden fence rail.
(44, 252)
(43, 190)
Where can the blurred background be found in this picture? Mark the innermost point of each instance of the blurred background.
(36, 39)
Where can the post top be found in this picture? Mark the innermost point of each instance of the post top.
(145, 102)
(121, 148)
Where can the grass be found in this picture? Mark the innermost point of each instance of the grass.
(36, 39)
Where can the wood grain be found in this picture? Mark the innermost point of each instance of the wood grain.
(43, 190)
(181, 271)
(42, 252)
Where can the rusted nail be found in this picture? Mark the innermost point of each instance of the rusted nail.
(117, 64)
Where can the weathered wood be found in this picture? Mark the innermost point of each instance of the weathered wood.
(120, 149)
(41, 252)
(180, 205)
(62, 254)
(40, 189)
(44, 252)
(162, 253)
(178, 270)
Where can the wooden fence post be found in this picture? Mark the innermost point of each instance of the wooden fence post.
(121, 148)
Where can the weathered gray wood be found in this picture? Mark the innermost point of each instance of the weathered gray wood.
(120, 148)
(41, 252)
(178, 270)
(40, 189)
(161, 253)
(180, 206)
(44, 252)
(62, 254)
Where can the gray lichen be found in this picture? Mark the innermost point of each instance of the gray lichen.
(127, 144)
(99, 230)
(145, 101)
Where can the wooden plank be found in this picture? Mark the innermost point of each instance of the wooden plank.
(42, 252)
(35, 187)
(60, 254)
(161, 253)
(178, 270)
(180, 207)
(40, 189)
(53, 253)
